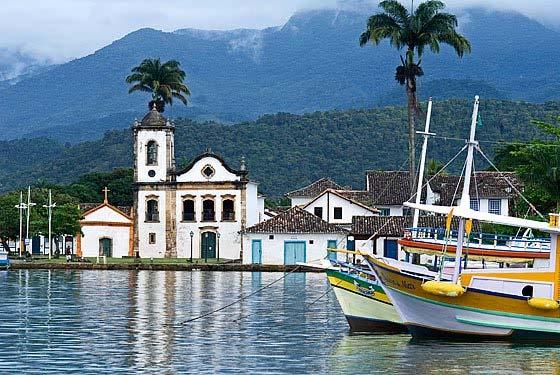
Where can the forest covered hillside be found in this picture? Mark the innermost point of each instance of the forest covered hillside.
(285, 151)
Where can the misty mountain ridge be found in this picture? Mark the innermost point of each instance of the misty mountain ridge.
(311, 63)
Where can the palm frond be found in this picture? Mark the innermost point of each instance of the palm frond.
(396, 10)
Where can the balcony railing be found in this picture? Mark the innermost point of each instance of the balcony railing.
(228, 216)
(152, 216)
(208, 216)
(188, 216)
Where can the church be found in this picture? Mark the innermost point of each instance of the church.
(199, 211)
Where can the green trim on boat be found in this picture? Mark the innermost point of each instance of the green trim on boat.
(361, 283)
(485, 323)
(474, 309)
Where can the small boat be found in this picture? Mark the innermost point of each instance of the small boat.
(4, 260)
(482, 246)
(363, 301)
(508, 304)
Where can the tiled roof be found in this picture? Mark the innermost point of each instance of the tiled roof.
(153, 118)
(394, 226)
(483, 185)
(295, 220)
(388, 187)
(314, 189)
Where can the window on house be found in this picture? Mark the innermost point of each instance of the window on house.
(152, 238)
(318, 211)
(208, 212)
(338, 213)
(475, 204)
(188, 210)
(384, 212)
(311, 242)
(151, 153)
(152, 212)
(228, 210)
(495, 206)
(271, 236)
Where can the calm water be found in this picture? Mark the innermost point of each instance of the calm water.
(132, 322)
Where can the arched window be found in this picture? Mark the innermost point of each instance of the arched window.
(152, 212)
(188, 210)
(228, 210)
(151, 153)
(208, 212)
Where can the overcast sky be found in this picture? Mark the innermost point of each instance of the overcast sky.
(63, 29)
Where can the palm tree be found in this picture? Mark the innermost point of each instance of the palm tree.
(425, 27)
(165, 82)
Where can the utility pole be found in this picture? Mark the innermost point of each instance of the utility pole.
(29, 205)
(21, 206)
(50, 206)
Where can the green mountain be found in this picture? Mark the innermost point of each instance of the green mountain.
(313, 62)
(286, 151)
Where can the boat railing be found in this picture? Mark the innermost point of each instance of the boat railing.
(491, 240)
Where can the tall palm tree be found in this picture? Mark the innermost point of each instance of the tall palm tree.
(413, 31)
(165, 82)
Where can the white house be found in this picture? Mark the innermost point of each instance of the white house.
(197, 211)
(339, 206)
(292, 236)
(306, 194)
(106, 230)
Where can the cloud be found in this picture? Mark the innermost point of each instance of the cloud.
(58, 30)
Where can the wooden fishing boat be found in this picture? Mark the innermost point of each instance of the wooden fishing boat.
(363, 301)
(509, 304)
(488, 247)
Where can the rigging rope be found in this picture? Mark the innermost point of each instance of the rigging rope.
(240, 299)
(509, 183)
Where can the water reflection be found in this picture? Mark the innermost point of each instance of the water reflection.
(123, 322)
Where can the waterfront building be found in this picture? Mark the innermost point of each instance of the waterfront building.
(107, 230)
(306, 194)
(292, 236)
(197, 211)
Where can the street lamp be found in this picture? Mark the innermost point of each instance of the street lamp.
(29, 205)
(218, 246)
(192, 235)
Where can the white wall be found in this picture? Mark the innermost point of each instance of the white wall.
(253, 210)
(145, 136)
(146, 249)
(195, 173)
(393, 210)
(484, 202)
(300, 201)
(329, 201)
(273, 250)
(92, 234)
(230, 240)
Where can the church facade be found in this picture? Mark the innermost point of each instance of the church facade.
(199, 211)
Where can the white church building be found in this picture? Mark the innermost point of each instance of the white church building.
(199, 211)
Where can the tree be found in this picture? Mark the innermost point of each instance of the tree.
(537, 162)
(165, 82)
(414, 31)
(9, 218)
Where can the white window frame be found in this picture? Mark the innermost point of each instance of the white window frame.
(495, 210)
(475, 204)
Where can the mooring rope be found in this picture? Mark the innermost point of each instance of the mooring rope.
(240, 299)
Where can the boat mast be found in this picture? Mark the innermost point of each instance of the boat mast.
(426, 133)
(465, 196)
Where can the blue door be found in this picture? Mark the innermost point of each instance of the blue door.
(256, 249)
(331, 244)
(294, 252)
(391, 249)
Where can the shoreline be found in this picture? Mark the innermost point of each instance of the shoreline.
(163, 267)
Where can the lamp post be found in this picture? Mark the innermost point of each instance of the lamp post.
(21, 206)
(192, 235)
(218, 247)
(50, 206)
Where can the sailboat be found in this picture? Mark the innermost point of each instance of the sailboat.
(510, 304)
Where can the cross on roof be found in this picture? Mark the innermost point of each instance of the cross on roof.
(105, 191)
